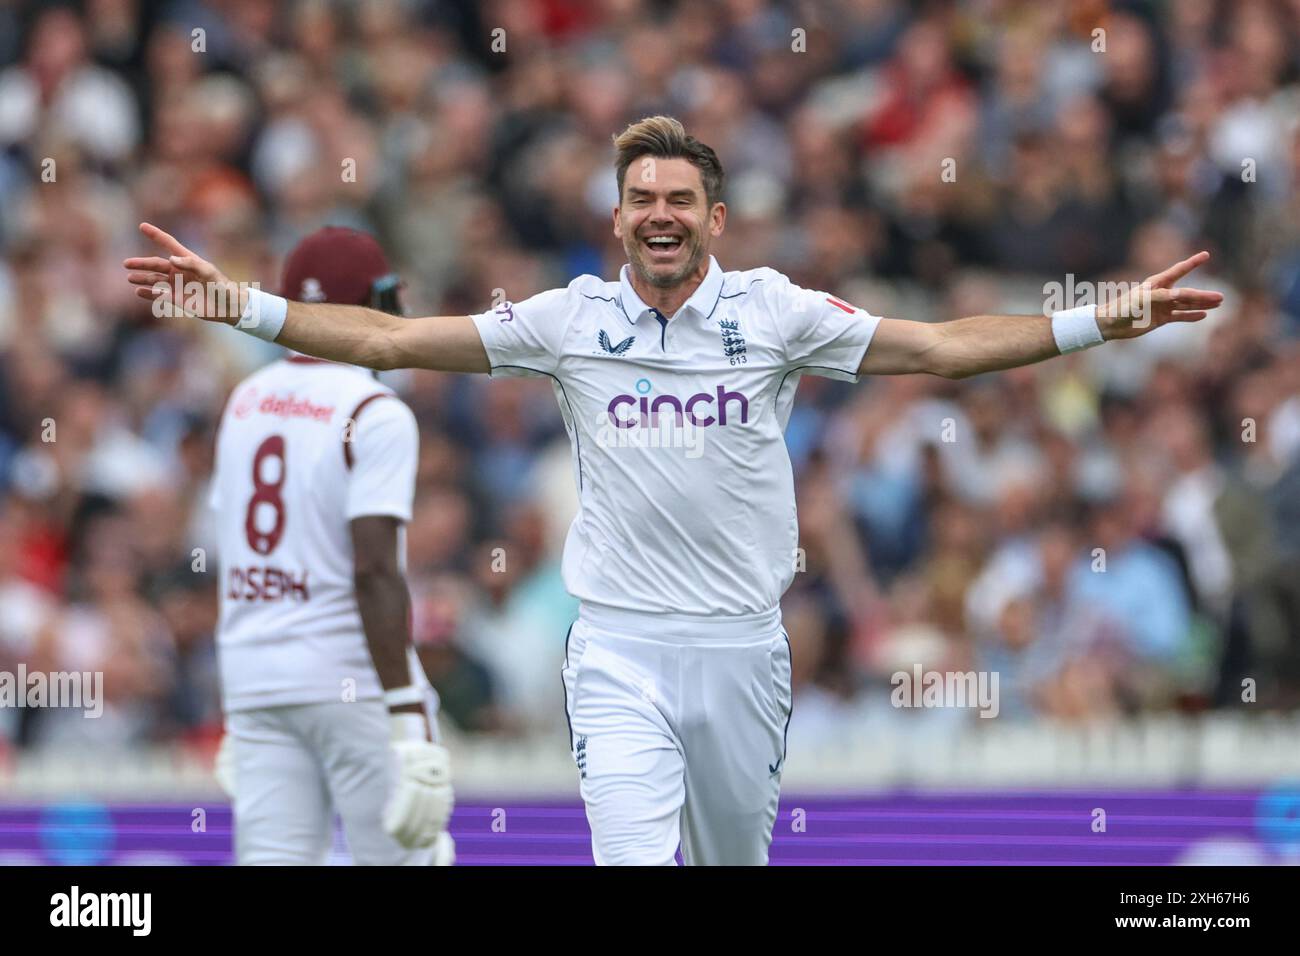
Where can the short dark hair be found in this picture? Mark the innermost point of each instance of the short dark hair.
(664, 137)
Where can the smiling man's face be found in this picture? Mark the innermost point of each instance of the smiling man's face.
(665, 220)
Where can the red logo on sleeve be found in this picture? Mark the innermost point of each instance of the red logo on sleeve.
(246, 402)
(840, 305)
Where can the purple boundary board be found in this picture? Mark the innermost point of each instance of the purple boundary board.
(1155, 827)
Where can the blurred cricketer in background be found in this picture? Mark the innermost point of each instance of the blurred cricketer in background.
(677, 671)
(326, 706)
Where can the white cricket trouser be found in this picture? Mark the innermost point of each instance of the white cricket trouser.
(295, 765)
(678, 727)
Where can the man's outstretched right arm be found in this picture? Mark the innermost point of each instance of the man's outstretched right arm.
(377, 340)
(342, 333)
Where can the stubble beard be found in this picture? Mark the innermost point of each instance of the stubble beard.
(635, 255)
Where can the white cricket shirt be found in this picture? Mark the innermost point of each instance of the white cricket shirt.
(686, 494)
(285, 486)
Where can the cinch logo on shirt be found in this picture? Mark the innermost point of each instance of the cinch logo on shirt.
(683, 411)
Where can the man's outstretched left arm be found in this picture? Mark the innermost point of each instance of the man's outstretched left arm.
(989, 343)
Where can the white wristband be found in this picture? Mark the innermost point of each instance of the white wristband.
(408, 727)
(1076, 329)
(400, 696)
(263, 315)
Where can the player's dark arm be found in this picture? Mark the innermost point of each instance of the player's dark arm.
(383, 600)
(989, 343)
(342, 333)
(418, 809)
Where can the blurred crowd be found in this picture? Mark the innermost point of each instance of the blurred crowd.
(1113, 532)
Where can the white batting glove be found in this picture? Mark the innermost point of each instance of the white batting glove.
(223, 768)
(444, 851)
(421, 802)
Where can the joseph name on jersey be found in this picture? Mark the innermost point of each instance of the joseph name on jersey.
(686, 493)
(304, 447)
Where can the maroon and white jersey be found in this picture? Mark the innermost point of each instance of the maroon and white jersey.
(304, 446)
